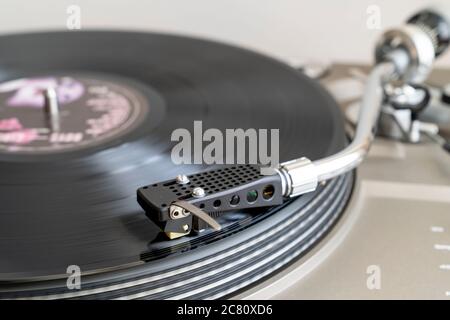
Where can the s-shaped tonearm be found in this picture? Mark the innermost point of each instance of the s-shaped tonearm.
(403, 55)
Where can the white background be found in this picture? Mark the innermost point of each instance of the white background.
(302, 31)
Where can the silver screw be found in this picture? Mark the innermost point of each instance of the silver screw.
(182, 179)
(176, 212)
(198, 192)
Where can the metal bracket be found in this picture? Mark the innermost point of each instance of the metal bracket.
(184, 208)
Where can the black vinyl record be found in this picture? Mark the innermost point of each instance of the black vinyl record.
(75, 203)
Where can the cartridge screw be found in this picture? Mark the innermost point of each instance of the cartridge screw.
(198, 192)
(182, 179)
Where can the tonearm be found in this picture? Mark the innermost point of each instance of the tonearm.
(405, 54)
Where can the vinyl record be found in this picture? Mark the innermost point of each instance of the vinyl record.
(70, 199)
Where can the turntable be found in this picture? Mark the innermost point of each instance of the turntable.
(88, 183)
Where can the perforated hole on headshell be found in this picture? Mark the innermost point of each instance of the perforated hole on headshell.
(216, 180)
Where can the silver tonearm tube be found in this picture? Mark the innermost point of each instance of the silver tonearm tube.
(302, 175)
(405, 54)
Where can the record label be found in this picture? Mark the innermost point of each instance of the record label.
(90, 111)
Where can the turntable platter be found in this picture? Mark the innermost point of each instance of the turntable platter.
(74, 203)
